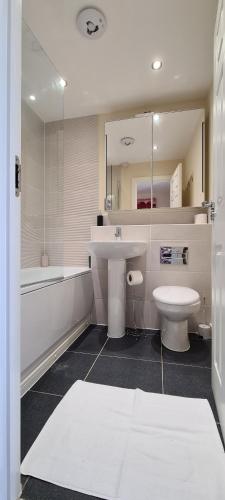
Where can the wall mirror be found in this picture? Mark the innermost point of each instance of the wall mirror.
(156, 160)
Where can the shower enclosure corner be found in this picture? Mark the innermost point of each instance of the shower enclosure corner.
(42, 110)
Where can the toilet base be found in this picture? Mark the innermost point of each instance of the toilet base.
(174, 335)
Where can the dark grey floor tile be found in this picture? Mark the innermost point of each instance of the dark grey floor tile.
(69, 368)
(199, 354)
(128, 373)
(35, 410)
(91, 341)
(189, 381)
(140, 331)
(221, 435)
(40, 490)
(144, 347)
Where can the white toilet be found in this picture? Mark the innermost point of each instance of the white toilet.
(176, 304)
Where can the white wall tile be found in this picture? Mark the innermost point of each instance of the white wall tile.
(100, 283)
(100, 312)
(181, 232)
(199, 257)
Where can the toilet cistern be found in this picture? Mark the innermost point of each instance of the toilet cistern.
(118, 233)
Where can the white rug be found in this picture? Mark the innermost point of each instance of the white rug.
(127, 444)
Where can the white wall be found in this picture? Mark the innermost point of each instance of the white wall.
(197, 274)
(32, 196)
(192, 171)
(74, 197)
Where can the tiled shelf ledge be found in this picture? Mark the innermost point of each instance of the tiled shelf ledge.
(184, 215)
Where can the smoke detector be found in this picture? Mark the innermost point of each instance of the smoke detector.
(91, 23)
(127, 141)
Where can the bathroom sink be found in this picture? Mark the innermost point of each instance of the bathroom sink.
(116, 252)
(117, 249)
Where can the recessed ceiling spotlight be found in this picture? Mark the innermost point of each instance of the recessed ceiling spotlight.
(156, 117)
(155, 147)
(91, 22)
(32, 97)
(63, 83)
(157, 64)
(127, 141)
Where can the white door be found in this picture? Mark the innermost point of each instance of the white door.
(10, 123)
(218, 260)
(176, 188)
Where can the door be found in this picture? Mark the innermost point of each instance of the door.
(10, 20)
(218, 251)
(176, 188)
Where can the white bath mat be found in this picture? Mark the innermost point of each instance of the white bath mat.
(127, 444)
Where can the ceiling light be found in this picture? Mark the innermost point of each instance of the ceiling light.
(63, 83)
(155, 147)
(156, 117)
(32, 98)
(127, 141)
(157, 64)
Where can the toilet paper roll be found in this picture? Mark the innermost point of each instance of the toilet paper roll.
(204, 330)
(134, 278)
(201, 219)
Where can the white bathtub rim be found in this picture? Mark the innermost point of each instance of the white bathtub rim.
(69, 273)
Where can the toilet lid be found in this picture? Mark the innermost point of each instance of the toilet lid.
(177, 295)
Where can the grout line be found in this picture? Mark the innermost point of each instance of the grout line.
(186, 364)
(92, 366)
(46, 393)
(131, 358)
(25, 483)
(81, 352)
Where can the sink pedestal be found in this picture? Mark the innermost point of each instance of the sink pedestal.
(116, 297)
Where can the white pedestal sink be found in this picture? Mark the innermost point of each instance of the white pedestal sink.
(116, 252)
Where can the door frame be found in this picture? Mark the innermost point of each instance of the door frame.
(135, 181)
(10, 126)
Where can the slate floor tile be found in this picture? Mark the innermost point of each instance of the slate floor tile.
(128, 373)
(40, 490)
(67, 369)
(90, 341)
(35, 411)
(189, 381)
(199, 354)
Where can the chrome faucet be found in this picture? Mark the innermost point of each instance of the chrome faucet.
(211, 207)
(118, 233)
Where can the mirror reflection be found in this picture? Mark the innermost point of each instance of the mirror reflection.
(155, 160)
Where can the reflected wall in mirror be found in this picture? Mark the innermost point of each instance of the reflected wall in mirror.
(178, 159)
(156, 160)
(128, 157)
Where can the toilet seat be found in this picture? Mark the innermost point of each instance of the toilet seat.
(176, 295)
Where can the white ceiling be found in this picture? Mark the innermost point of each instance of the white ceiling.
(114, 72)
(138, 128)
(172, 134)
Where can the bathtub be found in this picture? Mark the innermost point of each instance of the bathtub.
(56, 304)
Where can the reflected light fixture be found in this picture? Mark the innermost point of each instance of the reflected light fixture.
(156, 117)
(32, 97)
(155, 147)
(63, 83)
(127, 141)
(157, 64)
